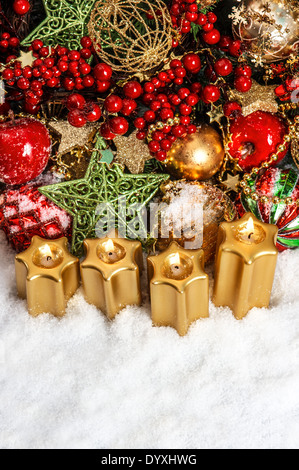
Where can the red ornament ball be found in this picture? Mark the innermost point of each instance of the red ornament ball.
(21, 7)
(255, 138)
(25, 212)
(25, 149)
(133, 90)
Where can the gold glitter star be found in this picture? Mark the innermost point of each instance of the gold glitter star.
(216, 114)
(132, 153)
(26, 58)
(259, 98)
(71, 136)
(231, 182)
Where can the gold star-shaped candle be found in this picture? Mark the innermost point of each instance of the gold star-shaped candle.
(245, 265)
(111, 273)
(179, 287)
(47, 276)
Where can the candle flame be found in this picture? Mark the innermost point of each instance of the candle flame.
(46, 251)
(109, 245)
(175, 259)
(250, 226)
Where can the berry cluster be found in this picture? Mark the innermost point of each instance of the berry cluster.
(125, 104)
(184, 13)
(82, 111)
(289, 90)
(9, 45)
(170, 105)
(56, 68)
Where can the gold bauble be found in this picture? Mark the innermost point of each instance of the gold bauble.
(198, 156)
(125, 39)
(270, 30)
(217, 208)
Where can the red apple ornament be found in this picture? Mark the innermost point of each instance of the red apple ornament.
(255, 138)
(25, 148)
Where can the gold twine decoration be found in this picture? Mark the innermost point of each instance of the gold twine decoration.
(125, 39)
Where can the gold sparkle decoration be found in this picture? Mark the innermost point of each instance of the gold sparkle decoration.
(216, 114)
(132, 153)
(259, 98)
(231, 182)
(71, 136)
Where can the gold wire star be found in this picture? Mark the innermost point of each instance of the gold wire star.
(132, 153)
(216, 114)
(259, 98)
(71, 136)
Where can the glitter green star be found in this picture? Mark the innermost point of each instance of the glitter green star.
(104, 184)
(65, 23)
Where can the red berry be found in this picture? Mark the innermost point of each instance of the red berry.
(129, 106)
(85, 53)
(154, 146)
(243, 84)
(44, 51)
(119, 125)
(223, 67)
(140, 135)
(191, 129)
(23, 84)
(86, 42)
(192, 63)
(113, 104)
(105, 132)
(202, 19)
(192, 99)
(149, 116)
(231, 108)
(76, 118)
(224, 43)
(102, 72)
(8, 74)
(235, 48)
(69, 83)
(14, 42)
(21, 7)
(211, 93)
(212, 37)
(93, 112)
(212, 18)
(132, 90)
(75, 101)
(208, 27)
(149, 87)
(140, 123)
(84, 69)
(88, 81)
(185, 110)
(4, 44)
(243, 70)
(161, 155)
(104, 86)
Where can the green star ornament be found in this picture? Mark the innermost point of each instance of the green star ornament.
(104, 184)
(65, 23)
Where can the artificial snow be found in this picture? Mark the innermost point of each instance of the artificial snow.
(84, 382)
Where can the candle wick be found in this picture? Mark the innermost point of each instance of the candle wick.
(49, 258)
(250, 235)
(110, 253)
(177, 267)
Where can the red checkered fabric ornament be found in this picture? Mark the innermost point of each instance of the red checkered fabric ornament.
(25, 212)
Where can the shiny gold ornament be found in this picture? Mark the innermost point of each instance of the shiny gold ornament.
(132, 153)
(125, 40)
(217, 208)
(245, 265)
(179, 288)
(270, 30)
(259, 98)
(47, 276)
(196, 157)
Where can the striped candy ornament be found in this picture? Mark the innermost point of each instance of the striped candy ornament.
(276, 185)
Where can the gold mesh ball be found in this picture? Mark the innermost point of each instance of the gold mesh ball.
(123, 37)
